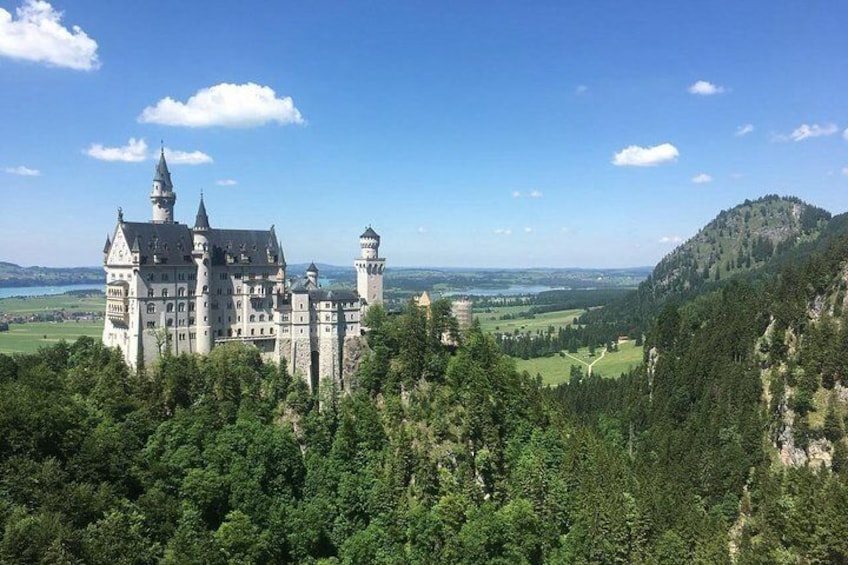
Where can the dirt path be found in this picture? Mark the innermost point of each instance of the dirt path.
(589, 365)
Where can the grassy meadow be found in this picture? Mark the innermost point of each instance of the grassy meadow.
(29, 337)
(490, 322)
(556, 370)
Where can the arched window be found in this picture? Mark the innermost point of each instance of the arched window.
(164, 293)
(181, 291)
(169, 307)
(170, 322)
(252, 318)
(181, 307)
(151, 308)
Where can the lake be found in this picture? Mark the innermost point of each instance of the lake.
(46, 290)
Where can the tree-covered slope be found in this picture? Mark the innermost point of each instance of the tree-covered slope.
(739, 241)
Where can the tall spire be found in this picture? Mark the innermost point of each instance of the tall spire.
(202, 220)
(163, 196)
(163, 175)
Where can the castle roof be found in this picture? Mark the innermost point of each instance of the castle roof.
(336, 295)
(312, 268)
(369, 232)
(254, 247)
(108, 245)
(202, 219)
(163, 175)
(173, 243)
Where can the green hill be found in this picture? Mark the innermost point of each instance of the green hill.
(743, 240)
(12, 275)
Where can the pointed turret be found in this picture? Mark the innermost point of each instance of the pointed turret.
(202, 220)
(107, 246)
(312, 274)
(163, 196)
(163, 175)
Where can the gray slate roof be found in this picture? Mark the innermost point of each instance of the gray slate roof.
(369, 232)
(173, 244)
(162, 172)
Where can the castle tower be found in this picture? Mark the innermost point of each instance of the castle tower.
(312, 274)
(163, 196)
(202, 258)
(369, 268)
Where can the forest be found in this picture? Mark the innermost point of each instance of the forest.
(726, 446)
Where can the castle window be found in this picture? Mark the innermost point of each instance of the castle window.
(238, 290)
(261, 317)
(181, 276)
(220, 291)
(327, 329)
(192, 276)
(237, 276)
(220, 333)
(181, 307)
(252, 331)
(150, 293)
(191, 321)
(169, 322)
(192, 335)
(191, 306)
(169, 307)
(238, 332)
(238, 304)
(151, 325)
(261, 331)
(271, 331)
(151, 308)
(164, 293)
(182, 336)
(181, 291)
(252, 318)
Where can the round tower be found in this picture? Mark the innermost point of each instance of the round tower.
(201, 254)
(163, 197)
(369, 268)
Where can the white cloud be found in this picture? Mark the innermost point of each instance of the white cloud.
(635, 156)
(744, 130)
(175, 157)
(422, 229)
(134, 151)
(528, 230)
(805, 131)
(226, 182)
(38, 35)
(226, 105)
(581, 89)
(502, 231)
(22, 171)
(531, 194)
(671, 239)
(705, 88)
(703, 178)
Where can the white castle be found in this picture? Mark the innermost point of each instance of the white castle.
(187, 289)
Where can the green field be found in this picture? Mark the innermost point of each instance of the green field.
(27, 338)
(555, 370)
(489, 321)
(65, 302)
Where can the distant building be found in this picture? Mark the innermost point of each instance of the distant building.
(462, 311)
(187, 289)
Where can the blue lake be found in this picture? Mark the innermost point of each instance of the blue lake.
(46, 290)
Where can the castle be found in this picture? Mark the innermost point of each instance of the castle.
(186, 289)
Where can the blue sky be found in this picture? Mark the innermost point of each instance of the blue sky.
(560, 134)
